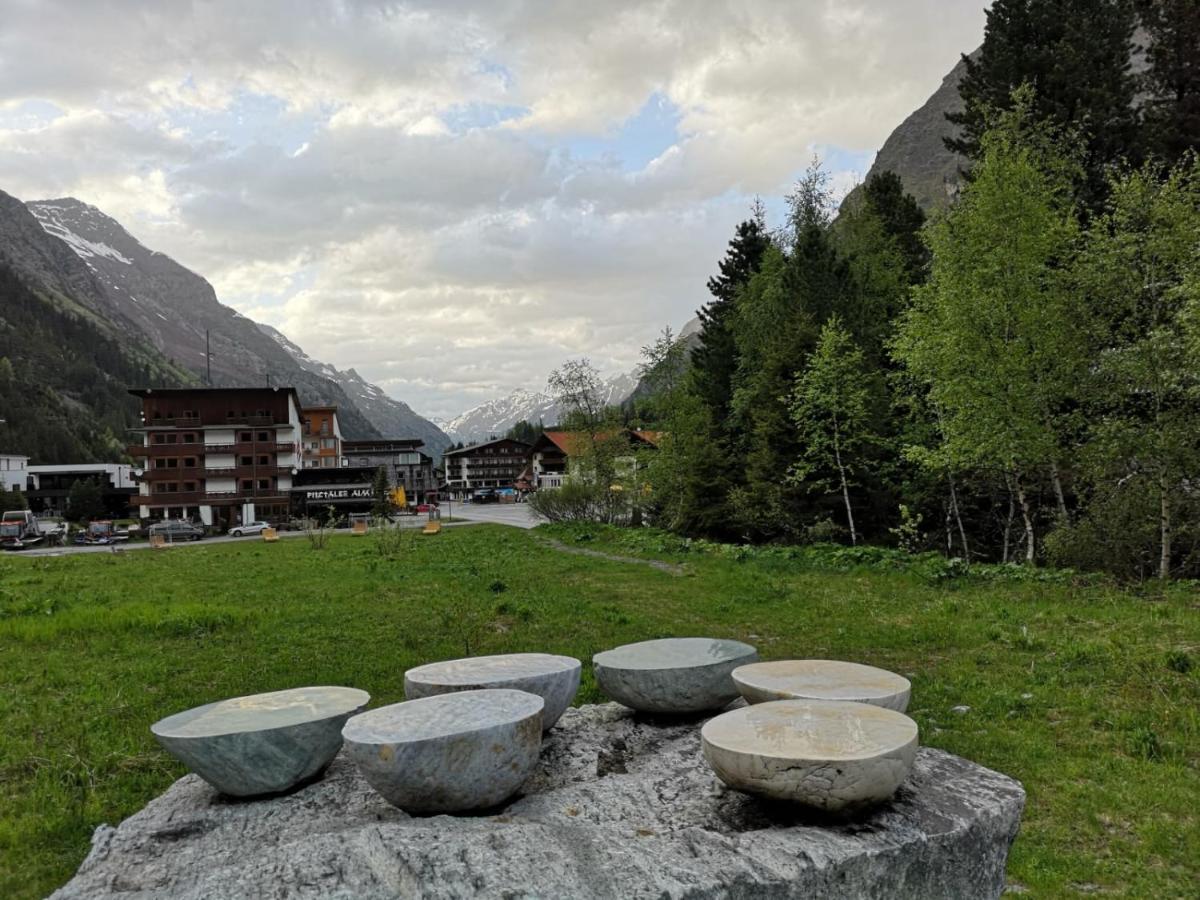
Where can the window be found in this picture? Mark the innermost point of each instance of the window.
(247, 484)
(264, 460)
(264, 484)
(244, 436)
(328, 444)
(245, 460)
(307, 425)
(264, 436)
(190, 462)
(189, 485)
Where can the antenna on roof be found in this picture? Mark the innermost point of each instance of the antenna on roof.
(208, 357)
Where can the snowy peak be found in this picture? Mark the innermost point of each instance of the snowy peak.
(495, 417)
(70, 220)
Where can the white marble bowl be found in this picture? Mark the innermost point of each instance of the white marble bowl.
(451, 752)
(263, 743)
(672, 675)
(822, 679)
(828, 754)
(553, 678)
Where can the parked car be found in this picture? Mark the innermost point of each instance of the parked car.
(177, 530)
(248, 528)
(485, 495)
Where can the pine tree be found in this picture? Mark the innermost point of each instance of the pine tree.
(1076, 54)
(902, 219)
(1172, 81)
(715, 358)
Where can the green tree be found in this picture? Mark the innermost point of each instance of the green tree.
(1076, 54)
(85, 500)
(830, 409)
(526, 431)
(1171, 83)
(995, 333)
(715, 358)
(1141, 272)
(381, 494)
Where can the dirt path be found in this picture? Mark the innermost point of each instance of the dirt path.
(669, 568)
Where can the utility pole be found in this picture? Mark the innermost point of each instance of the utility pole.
(208, 357)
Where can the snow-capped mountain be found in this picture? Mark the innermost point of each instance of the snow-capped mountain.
(390, 417)
(153, 296)
(495, 417)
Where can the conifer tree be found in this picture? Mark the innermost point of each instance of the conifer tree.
(1172, 80)
(1076, 54)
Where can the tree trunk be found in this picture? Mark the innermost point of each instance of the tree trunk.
(962, 532)
(837, 452)
(1059, 496)
(1012, 513)
(1027, 517)
(1164, 521)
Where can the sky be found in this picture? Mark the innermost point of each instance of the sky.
(454, 197)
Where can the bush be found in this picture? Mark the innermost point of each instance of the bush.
(578, 501)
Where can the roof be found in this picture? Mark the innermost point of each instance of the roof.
(383, 444)
(569, 441)
(158, 392)
(319, 408)
(471, 447)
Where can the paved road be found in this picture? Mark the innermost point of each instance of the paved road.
(516, 514)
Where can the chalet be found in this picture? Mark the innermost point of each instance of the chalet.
(551, 454)
(489, 464)
(322, 440)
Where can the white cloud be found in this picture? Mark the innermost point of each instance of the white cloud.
(418, 208)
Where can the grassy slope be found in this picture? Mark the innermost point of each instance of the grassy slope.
(95, 648)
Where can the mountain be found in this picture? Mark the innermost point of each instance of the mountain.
(389, 416)
(916, 150)
(178, 311)
(67, 355)
(497, 416)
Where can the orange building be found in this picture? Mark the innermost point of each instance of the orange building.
(322, 437)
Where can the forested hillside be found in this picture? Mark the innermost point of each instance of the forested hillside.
(64, 381)
(1014, 380)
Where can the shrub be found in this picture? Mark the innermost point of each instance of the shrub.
(578, 501)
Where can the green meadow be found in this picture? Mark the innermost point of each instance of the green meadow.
(1086, 692)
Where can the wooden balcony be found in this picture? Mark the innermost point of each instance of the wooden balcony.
(194, 448)
(178, 473)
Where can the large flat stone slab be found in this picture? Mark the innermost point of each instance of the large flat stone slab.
(828, 754)
(672, 676)
(450, 752)
(618, 807)
(822, 679)
(553, 678)
(261, 743)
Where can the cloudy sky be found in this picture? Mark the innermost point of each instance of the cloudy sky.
(455, 196)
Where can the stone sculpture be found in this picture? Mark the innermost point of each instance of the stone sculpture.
(263, 743)
(618, 806)
(822, 679)
(827, 754)
(672, 675)
(450, 752)
(553, 678)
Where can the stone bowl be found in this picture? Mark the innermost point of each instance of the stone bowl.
(828, 754)
(553, 678)
(672, 675)
(448, 753)
(262, 743)
(822, 679)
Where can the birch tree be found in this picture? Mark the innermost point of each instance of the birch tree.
(830, 408)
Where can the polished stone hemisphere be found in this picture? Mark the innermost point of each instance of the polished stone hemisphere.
(553, 678)
(450, 752)
(828, 754)
(822, 679)
(672, 675)
(263, 743)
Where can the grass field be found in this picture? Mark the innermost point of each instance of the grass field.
(1088, 694)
